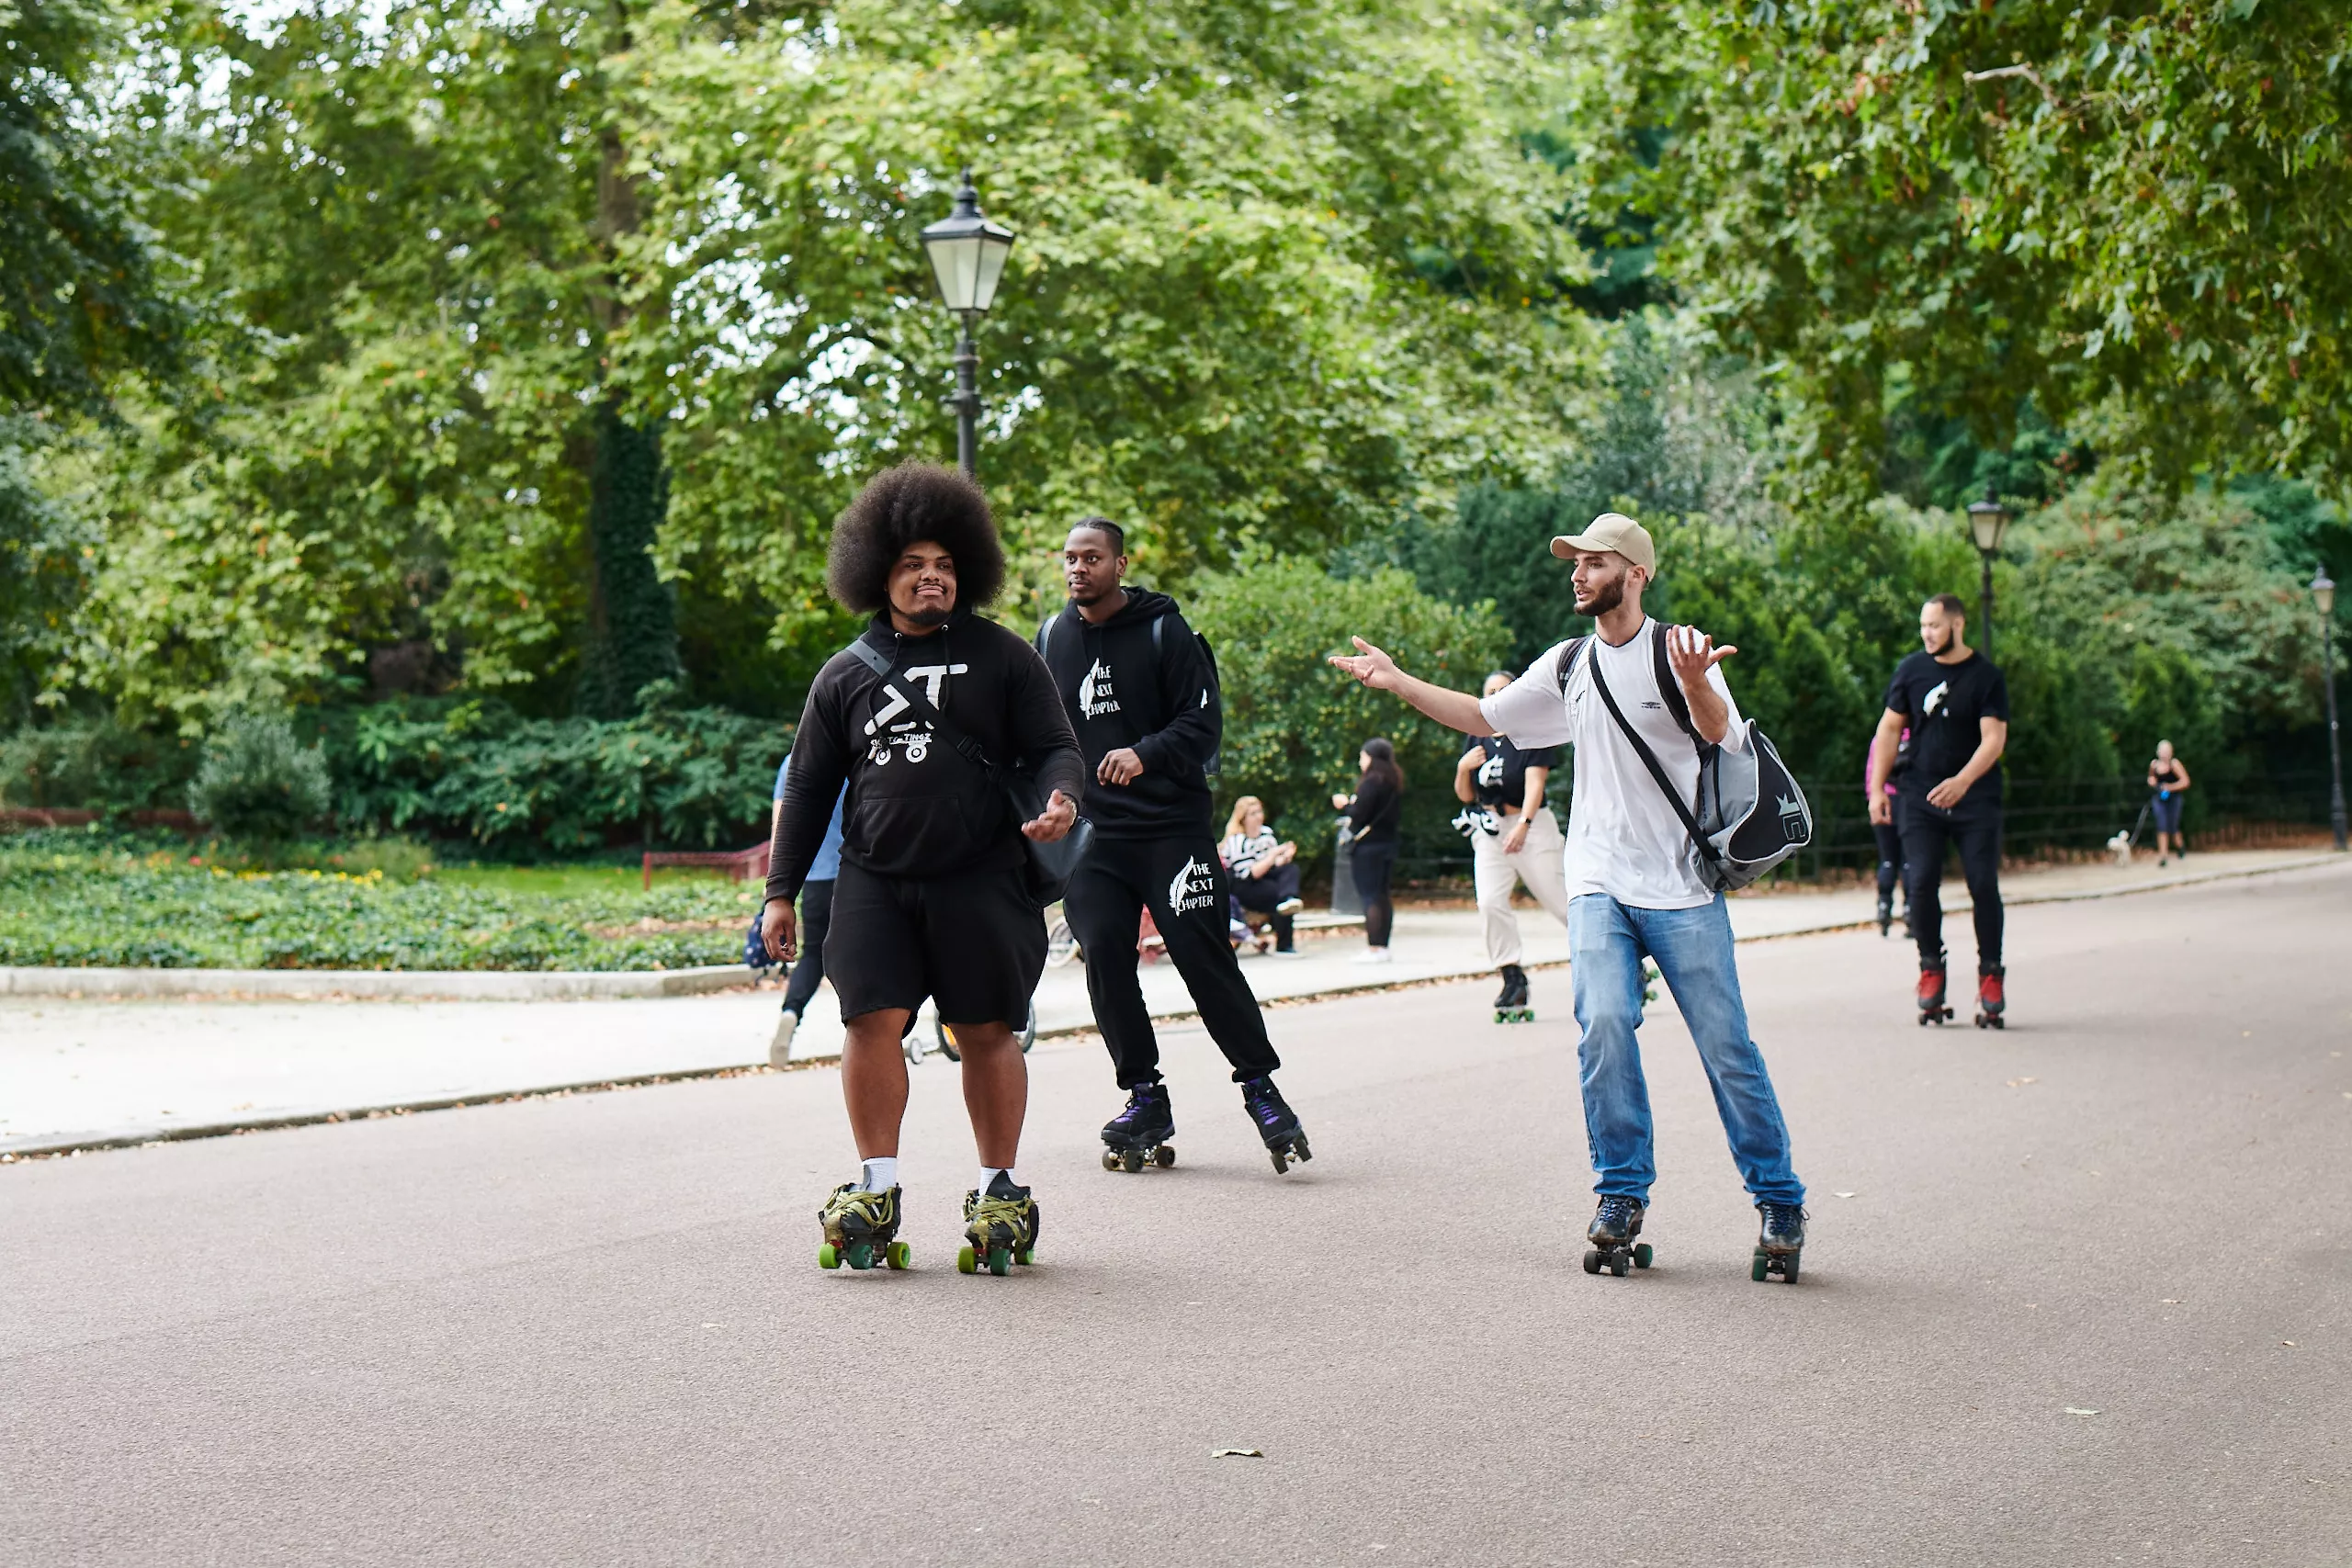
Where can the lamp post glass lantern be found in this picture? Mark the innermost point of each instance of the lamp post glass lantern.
(967, 256)
(2323, 596)
(1988, 525)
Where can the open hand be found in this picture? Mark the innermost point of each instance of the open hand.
(779, 932)
(1693, 653)
(1948, 794)
(1369, 665)
(1052, 823)
(1119, 767)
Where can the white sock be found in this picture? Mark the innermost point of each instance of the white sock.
(989, 1173)
(880, 1175)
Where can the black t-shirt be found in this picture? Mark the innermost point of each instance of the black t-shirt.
(1501, 779)
(1942, 704)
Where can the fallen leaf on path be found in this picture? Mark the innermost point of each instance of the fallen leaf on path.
(2077, 1410)
(1236, 1453)
(2288, 1343)
(2170, 1302)
(1845, 1195)
(2015, 1083)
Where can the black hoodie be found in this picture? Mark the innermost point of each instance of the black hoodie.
(916, 807)
(1123, 687)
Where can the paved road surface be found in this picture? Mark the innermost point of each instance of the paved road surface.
(590, 1330)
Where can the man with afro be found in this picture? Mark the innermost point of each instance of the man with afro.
(932, 898)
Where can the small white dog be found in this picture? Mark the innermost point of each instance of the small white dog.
(2121, 847)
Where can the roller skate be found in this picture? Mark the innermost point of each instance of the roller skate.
(999, 1229)
(1141, 1134)
(1615, 1225)
(861, 1229)
(1511, 1002)
(1990, 1001)
(1932, 1009)
(1779, 1243)
(1277, 1123)
(1885, 912)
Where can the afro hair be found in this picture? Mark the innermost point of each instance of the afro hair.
(906, 505)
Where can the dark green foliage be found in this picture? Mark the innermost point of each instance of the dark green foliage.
(95, 766)
(633, 619)
(696, 777)
(61, 904)
(258, 785)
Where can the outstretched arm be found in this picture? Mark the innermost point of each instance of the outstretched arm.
(1455, 710)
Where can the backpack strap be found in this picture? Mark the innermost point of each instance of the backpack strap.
(1669, 687)
(1046, 633)
(971, 750)
(1657, 770)
(1568, 661)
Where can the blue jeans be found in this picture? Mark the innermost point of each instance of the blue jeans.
(1607, 941)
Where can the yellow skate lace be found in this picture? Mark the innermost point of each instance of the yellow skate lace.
(988, 1213)
(873, 1208)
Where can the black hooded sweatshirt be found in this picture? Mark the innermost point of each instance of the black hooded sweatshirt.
(916, 806)
(1119, 689)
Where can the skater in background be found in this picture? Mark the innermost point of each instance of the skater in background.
(816, 915)
(1636, 889)
(1890, 841)
(1374, 812)
(934, 896)
(1515, 838)
(1955, 703)
(1264, 870)
(1138, 690)
(2168, 781)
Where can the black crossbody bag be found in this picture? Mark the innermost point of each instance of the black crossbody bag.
(1050, 866)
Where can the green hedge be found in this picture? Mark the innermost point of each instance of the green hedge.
(74, 910)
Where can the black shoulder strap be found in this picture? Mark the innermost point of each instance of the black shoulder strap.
(1046, 633)
(1568, 661)
(1669, 687)
(943, 726)
(1650, 760)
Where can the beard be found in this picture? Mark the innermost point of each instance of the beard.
(1604, 599)
(1094, 596)
(1940, 646)
(928, 617)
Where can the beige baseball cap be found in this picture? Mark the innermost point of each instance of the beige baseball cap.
(1612, 531)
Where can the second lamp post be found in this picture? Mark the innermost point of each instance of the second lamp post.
(967, 256)
(1988, 520)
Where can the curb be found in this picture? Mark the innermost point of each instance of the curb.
(434, 985)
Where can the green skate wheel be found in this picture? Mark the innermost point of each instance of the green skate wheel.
(1621, 1265)
(900, 1255)
(860, 1255)
(1000, 1261)
(1789, 1268)
(1642, 1255)
(1761, 1266)
(1165, 1155)
(1592, 1260)
(968, 1261)
(1025, 1257)
(829, 1256)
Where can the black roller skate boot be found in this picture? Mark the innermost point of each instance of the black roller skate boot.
(1143, 1133)
(1991, 999)
(1511, 1002)
(1885, 912)
(1779, 1243)
(861, 1229)
(999, 1228)
(1930, 995)
(1277, 1123)
(1614, 1233)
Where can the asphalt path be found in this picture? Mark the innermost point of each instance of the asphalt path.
(2077, 1293)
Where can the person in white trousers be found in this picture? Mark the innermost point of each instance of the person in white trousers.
(1514, 839)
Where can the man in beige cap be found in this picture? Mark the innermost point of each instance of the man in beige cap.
(1636, 885)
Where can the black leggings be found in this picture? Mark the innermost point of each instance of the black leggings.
(1374, 862)
(1975, 830)
(1890, 856)
(816, 917)
(1262, 893)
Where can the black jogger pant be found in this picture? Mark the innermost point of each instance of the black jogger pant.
(816, 916)
(1184, 883)
(1975, 830)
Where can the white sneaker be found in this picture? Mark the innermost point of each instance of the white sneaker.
(1290, 906)
(1373, 955)
(780, 1048)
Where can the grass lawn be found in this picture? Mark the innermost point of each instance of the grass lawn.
(69, 900)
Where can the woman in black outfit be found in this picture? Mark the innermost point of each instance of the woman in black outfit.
(1374, 813)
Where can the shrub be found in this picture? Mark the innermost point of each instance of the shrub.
(95, 766)
(256, 785)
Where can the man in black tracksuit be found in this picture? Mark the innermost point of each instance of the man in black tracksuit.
(934, 896)
(1139, 691)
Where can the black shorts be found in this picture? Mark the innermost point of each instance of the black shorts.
(976, 943)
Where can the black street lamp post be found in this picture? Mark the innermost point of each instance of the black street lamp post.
(1988, 523)
(2323, 595)
(967, 256)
